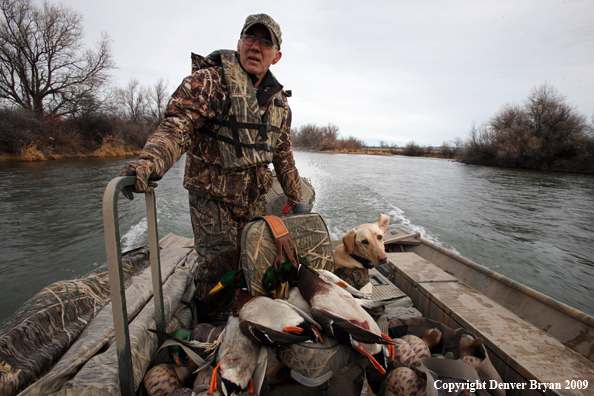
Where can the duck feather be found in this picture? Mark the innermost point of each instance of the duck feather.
(358, 333)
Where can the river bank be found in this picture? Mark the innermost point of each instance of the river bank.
(382, 152)
(108, 149)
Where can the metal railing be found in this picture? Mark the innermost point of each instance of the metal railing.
(116, 279)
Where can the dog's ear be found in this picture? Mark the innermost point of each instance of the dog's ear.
(383, 222)
(349, 241)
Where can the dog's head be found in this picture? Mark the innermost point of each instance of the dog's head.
(367, 241)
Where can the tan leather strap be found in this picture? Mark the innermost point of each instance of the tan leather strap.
(281, 238)
(278, 228)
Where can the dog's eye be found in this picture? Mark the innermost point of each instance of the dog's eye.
(379, 237)
(365, 242)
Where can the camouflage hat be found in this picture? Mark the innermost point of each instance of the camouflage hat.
(267, 21)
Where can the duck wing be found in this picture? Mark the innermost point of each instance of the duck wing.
(330, 276)
(357, 332)
(377, 307)
(305, 315)
(269, 337)
(203, 349)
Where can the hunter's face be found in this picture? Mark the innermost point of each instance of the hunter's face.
(255, 57)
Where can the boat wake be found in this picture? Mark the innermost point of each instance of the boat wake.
(136, 236)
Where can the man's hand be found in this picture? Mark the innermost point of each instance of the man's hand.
(145, 175)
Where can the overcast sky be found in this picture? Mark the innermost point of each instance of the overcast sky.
(380, 70)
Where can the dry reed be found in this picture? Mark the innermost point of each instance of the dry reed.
(111, 147)
(31, 154)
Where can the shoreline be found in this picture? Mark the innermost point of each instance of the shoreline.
(382, 152)
(108, 149)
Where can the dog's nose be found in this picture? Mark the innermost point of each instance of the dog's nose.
(382, 258)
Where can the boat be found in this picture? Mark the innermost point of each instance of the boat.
(91, 344)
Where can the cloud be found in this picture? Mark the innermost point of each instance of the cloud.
(394, 71)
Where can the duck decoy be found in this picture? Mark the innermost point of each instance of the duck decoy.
(161, 380)
(422, 346)
(339, 314)
(467, 347)
(274, 323)
(404, 382)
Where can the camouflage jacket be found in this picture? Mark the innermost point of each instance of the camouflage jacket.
(200, 98)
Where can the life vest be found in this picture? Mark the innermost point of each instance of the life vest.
(245, 138)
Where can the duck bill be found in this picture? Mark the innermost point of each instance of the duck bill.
(216, 289)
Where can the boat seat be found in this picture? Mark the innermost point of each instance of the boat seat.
(528, 352)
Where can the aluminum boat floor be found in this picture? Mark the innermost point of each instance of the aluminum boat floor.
(528, 352)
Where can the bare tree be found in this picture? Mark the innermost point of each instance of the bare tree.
(43, 65)
(157, 97)
(133, 100)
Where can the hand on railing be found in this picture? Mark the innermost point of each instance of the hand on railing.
(145, 176)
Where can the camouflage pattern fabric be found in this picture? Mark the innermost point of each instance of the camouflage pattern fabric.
(217, 239)
(143, 170)
(178, 266)
(34, 338)
(90, 366)
(202, 97)
(309, 234)
(312, 360)
(356, 277)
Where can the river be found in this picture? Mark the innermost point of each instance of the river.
(535, 227)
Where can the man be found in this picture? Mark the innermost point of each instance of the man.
(232, 119)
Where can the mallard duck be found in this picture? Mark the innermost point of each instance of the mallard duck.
(197, 351)
(339, 314)
(178, 354)
(241, 363)
(276, 280)
(330, 276)
(206, 332)
(272, 322)
(232, 280)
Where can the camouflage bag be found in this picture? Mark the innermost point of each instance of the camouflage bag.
(309, 239)
(314, 363)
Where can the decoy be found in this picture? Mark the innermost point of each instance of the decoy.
(339, 314)
(422, 346)
(467, 347)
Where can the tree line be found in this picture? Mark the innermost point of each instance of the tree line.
(546, 132)
(312, 137)
(57, 97)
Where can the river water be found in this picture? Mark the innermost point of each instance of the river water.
(534, 227)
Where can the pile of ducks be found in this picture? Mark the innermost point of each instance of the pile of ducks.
(232, 358)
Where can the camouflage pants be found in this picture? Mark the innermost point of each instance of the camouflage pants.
(217, 230)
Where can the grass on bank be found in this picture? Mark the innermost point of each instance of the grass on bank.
(23, 137)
